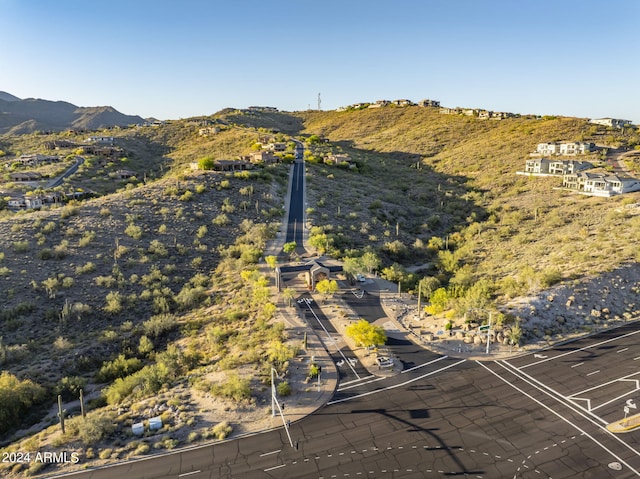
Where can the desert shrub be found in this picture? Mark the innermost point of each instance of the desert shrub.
(158, 249)
(190, 296)
(234, 388)
(145, 345)
(202, 232)
(69, 387)
(45, 254)
(88, 267)
(86, 239)
(283, 389)
(114, 302)
(16, 398)
(159, 324)
(91, 429)
(222, 430)
(50, 227)
(120, 367)
(20, 246)
(69, 210)
(133, 231)
(221, 220)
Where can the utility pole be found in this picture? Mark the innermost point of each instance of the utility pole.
(319, 103)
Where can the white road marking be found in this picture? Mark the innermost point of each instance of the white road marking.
(358, 380)
(622, 350)
(329, 336)
(360, 383)
(581, 349)
(189, 473)
(274, 467)
(576, 365)
(269, 453)
(395, 385)
(593, 372)
(602, 428)
(423, 365)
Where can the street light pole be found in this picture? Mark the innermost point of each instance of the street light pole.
(273, 393)
(489, 333)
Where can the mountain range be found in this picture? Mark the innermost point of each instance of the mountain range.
(19, 116)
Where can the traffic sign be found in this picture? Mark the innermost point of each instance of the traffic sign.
(484, 328)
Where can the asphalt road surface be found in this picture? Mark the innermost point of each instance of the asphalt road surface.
(527, 417)
(295, 221)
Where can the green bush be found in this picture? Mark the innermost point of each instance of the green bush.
(222, 430)
(16, 398)
(159, 324)
(120, 367)
(69, 387)
(283, 389)
(234, 388)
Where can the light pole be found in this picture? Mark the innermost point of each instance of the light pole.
(274, 402)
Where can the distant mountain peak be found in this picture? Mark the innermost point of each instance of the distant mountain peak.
(24, 116)
(8, 96)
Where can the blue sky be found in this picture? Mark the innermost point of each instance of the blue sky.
(175, 59)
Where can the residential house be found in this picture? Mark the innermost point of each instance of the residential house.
(32, 202)
(341, 158)
(269, 109)
(209, 130)
(538, 166)
(232, 165)
(402, 102)
(25, 176)
(37, 159)
(470, 112)
(501, 115)
(103, 140)
(58, 144)
(600, 184)
(16, 202)
(484, 114)
(277, 146)
(451, 111)
(567, 167)
(123, 174)
(429, 103)
(611, 122)
(263, 157)
(379, 103)
(26, 201)
(565, 148)
(103, 151)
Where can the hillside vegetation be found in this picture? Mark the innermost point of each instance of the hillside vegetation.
(156, 278)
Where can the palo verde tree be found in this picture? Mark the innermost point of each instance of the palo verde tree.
(327, 287)
(366, 334)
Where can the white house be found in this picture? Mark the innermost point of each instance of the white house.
(611, 122)
(567, 167)
(601, 184)
(538, 166)
(565, 148)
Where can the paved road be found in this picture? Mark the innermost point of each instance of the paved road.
(347, 363)
(444, 417)
(295, 221)
(58, 181)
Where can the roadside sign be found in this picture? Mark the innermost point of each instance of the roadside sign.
(484, 328)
